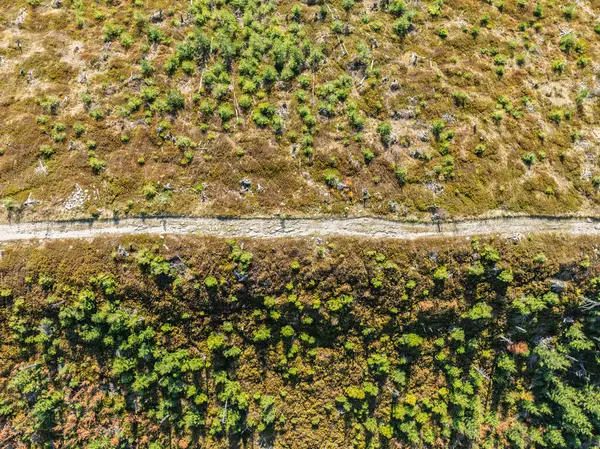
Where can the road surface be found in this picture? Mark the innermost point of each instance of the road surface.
(290, 227)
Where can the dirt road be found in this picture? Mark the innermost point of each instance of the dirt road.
(274, 227)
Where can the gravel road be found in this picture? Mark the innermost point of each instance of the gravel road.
(274, 227)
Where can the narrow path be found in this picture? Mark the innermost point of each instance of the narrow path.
(273, 227)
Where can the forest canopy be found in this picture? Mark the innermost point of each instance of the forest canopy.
(206, 343)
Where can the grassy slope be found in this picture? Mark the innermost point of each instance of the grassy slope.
(425, 344)
(85, 59)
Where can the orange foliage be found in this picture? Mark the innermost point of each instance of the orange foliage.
(519, 348)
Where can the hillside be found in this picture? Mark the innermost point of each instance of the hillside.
(115, 108)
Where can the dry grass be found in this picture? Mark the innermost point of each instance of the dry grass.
(59, 59)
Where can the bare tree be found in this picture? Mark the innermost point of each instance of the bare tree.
(589, 304)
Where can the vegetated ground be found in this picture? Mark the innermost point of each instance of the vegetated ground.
(203, 343)
(258, 107)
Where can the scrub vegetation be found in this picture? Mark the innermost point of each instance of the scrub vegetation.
(257, 107)
(402, 109)
(205, 343)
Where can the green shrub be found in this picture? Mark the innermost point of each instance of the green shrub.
(506, 276)
(79, 129)
(437, 127)
(225, 112)
(337, 304)
(211, 282)
(156, 265)
(354, 392)
(49, 104)
(386, 431)
(567, 42)
(347, 4)
(460, 99)
(480, 311)
(570, 11)
(241, 257)
(263, 114)
(10, 204)
(97, 114)
(156, 36)
(557, 116)
(278, 125)
(368, 155)
(297, 13)
(528, 158)
(149, 93)
(245, 102)
(45, 281)
(397, 7)
(287, 331)
(46, 151)
(401, 174)
(476, 270)
(149, 191)
(402, 26)
(261, 335)
(147, 69)
(175, 101)
(440, 274)
(208, 106)
(411, 340)
(385, 130)
(126, 40)
(379, 364)
(559, 65)
(188, 67)
(112, 31)
(583, 62)
(97, 165)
